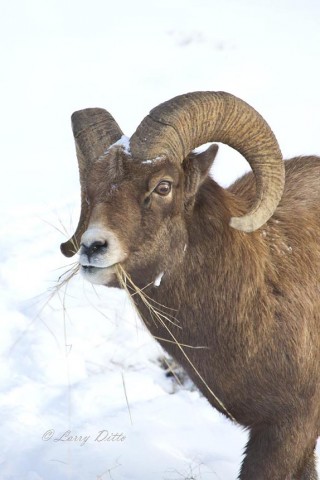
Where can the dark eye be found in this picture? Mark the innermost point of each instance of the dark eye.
(163, 188)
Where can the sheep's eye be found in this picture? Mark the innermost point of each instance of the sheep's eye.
(163, 188)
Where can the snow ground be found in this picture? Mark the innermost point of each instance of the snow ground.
(74, 362)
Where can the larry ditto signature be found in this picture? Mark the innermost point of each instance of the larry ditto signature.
(68, 436)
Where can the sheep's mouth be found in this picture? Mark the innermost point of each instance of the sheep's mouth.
(90, 269)
(98, 275)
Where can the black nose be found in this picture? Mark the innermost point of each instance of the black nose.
(95, 247)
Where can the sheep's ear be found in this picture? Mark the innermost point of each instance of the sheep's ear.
(196, 168)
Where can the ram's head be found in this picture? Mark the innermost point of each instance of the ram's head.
(137, 195)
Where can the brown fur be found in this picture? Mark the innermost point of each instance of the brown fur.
(253, 299)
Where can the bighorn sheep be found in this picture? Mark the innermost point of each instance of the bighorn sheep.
(239, 268)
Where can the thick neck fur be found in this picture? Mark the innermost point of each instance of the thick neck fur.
(210, 287)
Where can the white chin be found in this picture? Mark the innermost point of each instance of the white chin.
(98, 276)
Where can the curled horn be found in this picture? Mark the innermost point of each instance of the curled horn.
(177, 126)
(94, 130)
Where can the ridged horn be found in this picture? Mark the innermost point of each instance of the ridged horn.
(94, 130)
(174, 128)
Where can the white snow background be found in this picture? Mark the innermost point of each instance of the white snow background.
(74, 362)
